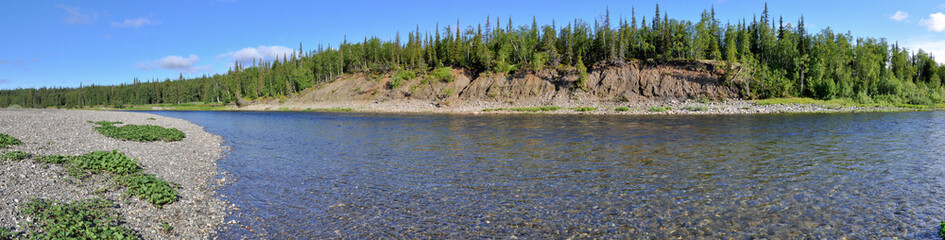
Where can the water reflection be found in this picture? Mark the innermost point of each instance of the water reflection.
(324, 175)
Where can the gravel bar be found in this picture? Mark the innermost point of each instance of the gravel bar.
(190, 162)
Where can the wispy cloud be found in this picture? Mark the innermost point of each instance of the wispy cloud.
(4, 81)
(75, 15)
(266, 53)
(935, 22)
(899, 16)
(135, 22)
(174, 62)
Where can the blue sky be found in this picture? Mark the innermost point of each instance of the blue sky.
(68, 43)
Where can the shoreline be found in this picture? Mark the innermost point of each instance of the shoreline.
(667, 107)
(190, 162)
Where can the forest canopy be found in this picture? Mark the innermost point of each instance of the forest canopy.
(783, 59)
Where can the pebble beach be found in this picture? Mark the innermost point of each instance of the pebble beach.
(189, 162)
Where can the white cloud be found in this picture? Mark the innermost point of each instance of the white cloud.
(135, 23)
(76, 15)
(935, 22)
(174, 62)
(936, 48)
(899, 16)
(267, 53)
(4, 81)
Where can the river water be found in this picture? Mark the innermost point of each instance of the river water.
(355, 175)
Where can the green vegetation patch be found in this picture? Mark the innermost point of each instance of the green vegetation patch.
(622, 109)
(85, 219)
(150, 188)
(584, 109)
(659, 109)
(103, 161)
(16, 155)
(7, 140)
(6, 233)
(536, 109)
(494, 109)
(444, 74)
(139, 133)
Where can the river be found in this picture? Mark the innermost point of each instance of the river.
(365, 175)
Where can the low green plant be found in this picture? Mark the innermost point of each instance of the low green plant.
(584, 109)
(941, 230)
(140, 133)
(7, 140)
(494, 109)
(55, 159)
(166, 227)
(444, 74)
(536, 109)
(103, 161)
(151, 119)
(8, 234)
(84, 219)
(696, 108)
(149, 188)
(659, 109)
(622, 109)
(16, 155)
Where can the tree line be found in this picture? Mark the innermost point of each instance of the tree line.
(779, 59)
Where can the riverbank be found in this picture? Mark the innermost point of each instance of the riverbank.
(189, 162)
(672, 106)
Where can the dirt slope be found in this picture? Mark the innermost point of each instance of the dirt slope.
(631, 82)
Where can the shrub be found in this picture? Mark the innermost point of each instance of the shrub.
(150, 188)
(16, 155)
(400, 77)
(444, 74)
(85, 219)
(622, 109)
(140, 133)
(7, 140)
(102, 161)
(584, 109)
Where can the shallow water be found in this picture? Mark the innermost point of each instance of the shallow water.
(353, 175)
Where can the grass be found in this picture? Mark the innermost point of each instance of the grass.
(7, 140)
(139, 133)
(149, 188)
(494, 109)
(334, 109)
(622, 109)
(584, 109)
(696, 108)
(659, 109)
(84, 219)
